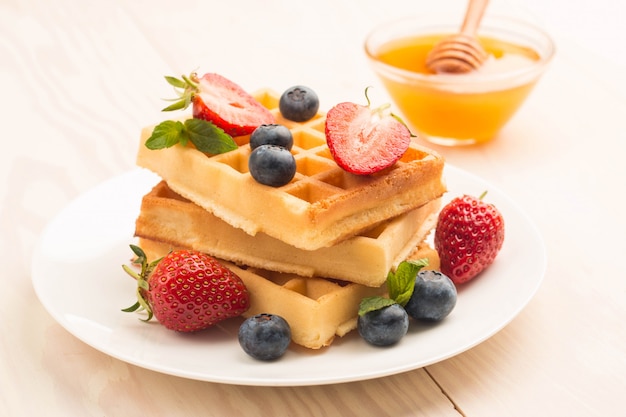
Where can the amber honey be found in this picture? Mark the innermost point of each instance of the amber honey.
(471, 107)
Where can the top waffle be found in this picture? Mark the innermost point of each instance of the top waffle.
(321, 206)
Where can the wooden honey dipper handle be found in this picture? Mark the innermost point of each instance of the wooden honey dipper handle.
(473, 16)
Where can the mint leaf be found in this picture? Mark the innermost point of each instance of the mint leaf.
(205, 136)
(418, 263)
(209, 138)
(374, 303)
(400, 284)
(166, 134)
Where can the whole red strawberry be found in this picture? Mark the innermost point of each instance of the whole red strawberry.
(468, 236)
(220, 101)
(187, 290)
(363, 140)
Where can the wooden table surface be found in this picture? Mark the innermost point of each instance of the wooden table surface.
(78, 81)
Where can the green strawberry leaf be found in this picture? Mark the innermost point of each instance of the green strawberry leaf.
(134, 307)
(400, 284)
(205, 136)
(186, 88)
(374, 303)
(179, 104)
(176, 82)
(141, 255)
(142, 281)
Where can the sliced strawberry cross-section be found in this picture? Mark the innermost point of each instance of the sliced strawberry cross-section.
(220, 101)
(364, 141)
(228, 106)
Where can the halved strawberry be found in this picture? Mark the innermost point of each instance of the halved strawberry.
(220, 101)
(364, 141)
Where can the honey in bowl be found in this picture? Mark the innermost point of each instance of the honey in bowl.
(453, 109)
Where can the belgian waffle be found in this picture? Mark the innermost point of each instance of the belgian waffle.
(321, 206)
(316, 309)
(365, 259)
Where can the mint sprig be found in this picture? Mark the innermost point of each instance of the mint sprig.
(400, 286)
(374, 303)
(204, 135)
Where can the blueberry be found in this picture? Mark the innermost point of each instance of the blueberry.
(385, 326)
(433, 298)
(265, 336)
(299, 103)
(272, 165)
(271, 134)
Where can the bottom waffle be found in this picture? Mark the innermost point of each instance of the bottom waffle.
(365, 259)
(316, 309)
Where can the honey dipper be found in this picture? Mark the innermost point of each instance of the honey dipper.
(460, 53)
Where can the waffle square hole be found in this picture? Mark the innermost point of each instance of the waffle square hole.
(307, 140)
(319, 124)
(344, 180)
(238, 160)
(324, 153)
(309, 166)
(267, 99)
(318, 288)
(290, 282)
(310, 192)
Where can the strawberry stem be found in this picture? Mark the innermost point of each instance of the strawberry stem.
(186, 88)
(142, 281)
(192, 80)
(131, 272)
(367, 96)
(381, 111)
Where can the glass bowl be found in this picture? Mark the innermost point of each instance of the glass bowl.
(452, 109)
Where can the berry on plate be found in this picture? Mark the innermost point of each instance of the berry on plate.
(265, 336)
(187, 291)
(298, 103)
(385, 326)
(363, 140)
(468, 236)
(433, 298)
(220, 101)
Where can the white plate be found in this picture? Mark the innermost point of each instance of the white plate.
(77, 275)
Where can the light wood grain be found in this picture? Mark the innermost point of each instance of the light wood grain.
(79, 80)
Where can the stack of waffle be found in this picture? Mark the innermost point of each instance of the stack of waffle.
(308, 251)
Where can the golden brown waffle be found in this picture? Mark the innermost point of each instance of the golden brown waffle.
(321, 206)
(365, 259)
(316, 309)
